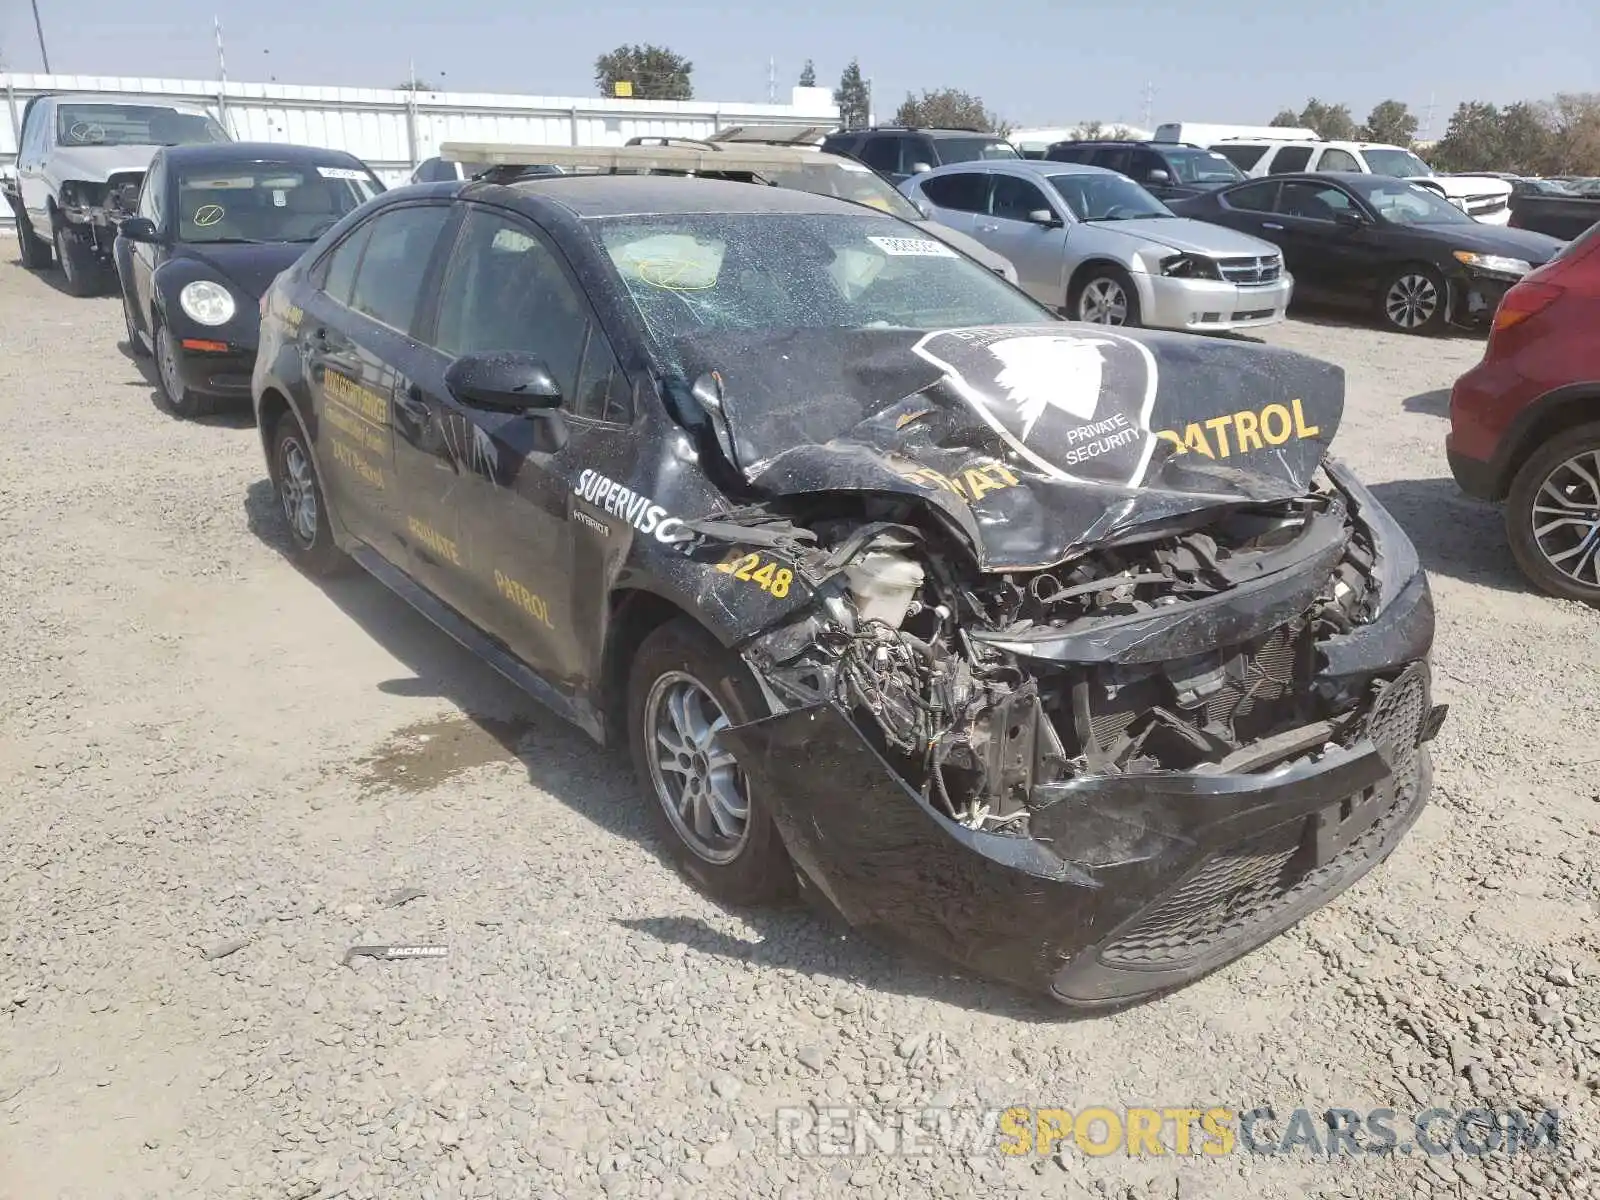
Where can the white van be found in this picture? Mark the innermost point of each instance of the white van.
(1203, 135)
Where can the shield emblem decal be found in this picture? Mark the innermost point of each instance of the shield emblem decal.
(1074, 404)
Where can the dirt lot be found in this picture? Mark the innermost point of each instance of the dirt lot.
(218, 776)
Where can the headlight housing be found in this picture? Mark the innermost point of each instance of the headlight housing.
(1190, 266)
(1494, 264)
(207, 302)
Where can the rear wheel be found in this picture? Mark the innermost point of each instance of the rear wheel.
(32, 249)
(1104, 296)
(1553, 516)
(301, 500)
(684, 691)
(1415, 299)
(180, 400)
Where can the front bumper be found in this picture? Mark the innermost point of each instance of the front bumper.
(1126, 884)
(214, 371)
(1477, 295)
(1209, 306)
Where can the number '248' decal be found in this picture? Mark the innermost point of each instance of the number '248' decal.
(768, 575)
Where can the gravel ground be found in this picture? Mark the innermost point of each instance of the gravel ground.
(218, 776)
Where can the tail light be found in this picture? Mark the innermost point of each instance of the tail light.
(1528, 299)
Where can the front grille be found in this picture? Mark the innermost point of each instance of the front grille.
(1485, 204)
(1247, 271)
(1246, 887)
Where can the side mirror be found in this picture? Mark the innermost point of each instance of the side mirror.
(1043, 216)
(1347, 219)
(508, 383)
(923, 207)
(1158, 176)
(921, 168)
(139, 229)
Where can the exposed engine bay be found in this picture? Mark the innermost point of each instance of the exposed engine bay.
(961, 678)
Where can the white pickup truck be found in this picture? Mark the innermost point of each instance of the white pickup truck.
(80, 162)
(1482, 197)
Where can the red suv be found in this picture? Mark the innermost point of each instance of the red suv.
(1525, 422)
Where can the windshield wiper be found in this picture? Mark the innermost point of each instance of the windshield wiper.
(239, 241)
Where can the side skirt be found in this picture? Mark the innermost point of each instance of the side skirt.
(479, 643)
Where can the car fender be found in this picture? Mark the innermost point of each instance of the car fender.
(1558, 409)
(171, 277)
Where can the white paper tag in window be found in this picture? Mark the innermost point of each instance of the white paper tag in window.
(910, 247)
(341, 173)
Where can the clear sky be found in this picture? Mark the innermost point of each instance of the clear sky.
(1033, 61)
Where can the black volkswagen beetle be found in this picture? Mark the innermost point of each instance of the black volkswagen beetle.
(215, 225)
(1062, 652)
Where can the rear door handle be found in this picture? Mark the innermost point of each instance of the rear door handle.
(1272, 225)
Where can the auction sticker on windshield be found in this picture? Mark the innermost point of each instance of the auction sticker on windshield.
(903, 247)
(341, 173)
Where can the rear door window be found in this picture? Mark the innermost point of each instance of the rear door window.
(1334, 159)
(388, 282)
(1013, 199)
(965, 191)
(883, 154)
(1255, 197)
(1242, 156)
(1289, 159)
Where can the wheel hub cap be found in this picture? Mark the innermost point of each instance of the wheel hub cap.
(696, 778)
(299, 494)
(1412, 301)
(1566, 518)
(168, 365)
(1103, 303)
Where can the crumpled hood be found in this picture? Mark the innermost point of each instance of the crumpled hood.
(1189, 236)
(96, 164)
(1036, 441)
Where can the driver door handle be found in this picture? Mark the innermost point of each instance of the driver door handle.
(1273, 225)
(412, 403)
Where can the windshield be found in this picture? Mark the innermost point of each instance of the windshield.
(133, 125)
(1402, 164)
(847, 181)
(968, 149)
(763, 272)
(1201, 166)
(268, 202)
(1096, 197)
(1409, 204)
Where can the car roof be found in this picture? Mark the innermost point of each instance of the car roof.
(1356, 181)
(1020, 166)
(188, 106)
(649, 195)
(221, 153)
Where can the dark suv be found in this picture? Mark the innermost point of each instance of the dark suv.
(1168, 170)
(901, 152)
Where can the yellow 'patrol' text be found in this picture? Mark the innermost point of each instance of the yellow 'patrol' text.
(1272, 426)
(524, 599)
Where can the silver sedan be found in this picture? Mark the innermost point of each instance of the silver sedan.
(1099, 247)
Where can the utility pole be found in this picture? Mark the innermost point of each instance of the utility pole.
(772, 80)
(38, 27)
(1149, 104)
(222, 75)
(1427, 121)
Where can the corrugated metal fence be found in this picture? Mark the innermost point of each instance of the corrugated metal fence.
(392, 131)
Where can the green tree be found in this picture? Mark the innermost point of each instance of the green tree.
(1525, 141)
(1471, 141)
(808, 74)
(853, 98)
(1331, 121)
(1573, 122)
(655, 72)
(1392, 122)
(1287, 118)
(947, 108)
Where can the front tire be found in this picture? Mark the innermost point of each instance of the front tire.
(180, 400)
(79, 267)
(301, 500)
(684, 689)
(1553, 516)
(1105, 296)
(1415, 299)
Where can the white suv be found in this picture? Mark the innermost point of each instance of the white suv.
(1481, 197)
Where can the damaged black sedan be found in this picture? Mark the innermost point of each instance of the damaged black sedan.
(1066, 654)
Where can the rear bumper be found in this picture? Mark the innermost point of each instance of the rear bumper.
(1206, 305)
